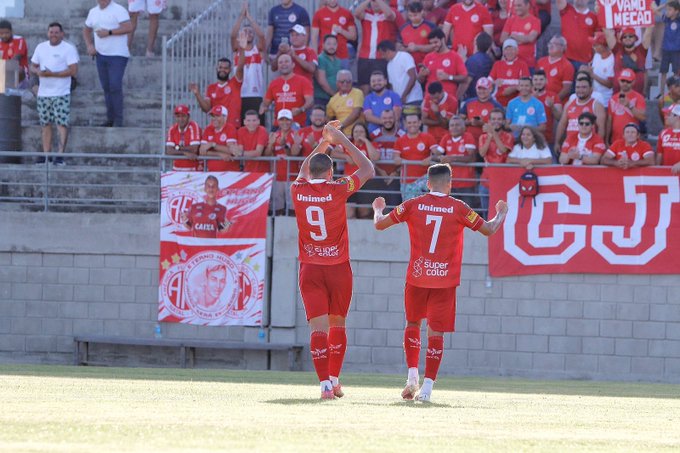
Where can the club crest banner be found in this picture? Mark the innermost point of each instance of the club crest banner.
(212, 260)
(587, 220)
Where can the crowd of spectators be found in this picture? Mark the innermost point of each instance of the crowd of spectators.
(420, 81)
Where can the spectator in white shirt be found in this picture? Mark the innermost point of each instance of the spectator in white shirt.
(401, 73)
(530, 149)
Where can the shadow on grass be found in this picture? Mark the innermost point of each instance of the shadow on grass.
(461, 384)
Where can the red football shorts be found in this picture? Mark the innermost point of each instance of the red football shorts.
(326, 289)
(437, 305)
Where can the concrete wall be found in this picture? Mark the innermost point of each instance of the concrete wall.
(63, 275)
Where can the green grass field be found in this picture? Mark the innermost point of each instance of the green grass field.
(51, 408)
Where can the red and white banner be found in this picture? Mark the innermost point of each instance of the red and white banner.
(212, 260)
(587, 220)
(625, 13)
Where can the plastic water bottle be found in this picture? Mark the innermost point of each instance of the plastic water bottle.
(157, 333)
(261, 335)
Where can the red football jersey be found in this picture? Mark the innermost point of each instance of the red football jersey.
(574, 109)
(448, 107)
(416, 148)
(620, 116)
(475, 108)
(463, 176)
(417, 35)
(586, 147)
(556, 73)
(227, 94)
(307, 54)
(668, 146)
(509, 72)
(288, 94)
(190, 136)
(436, 224)
(324, 19)
(467, 24)
(550, 118)
(249, 141)
(524, 26)
(207, 220)
(375, 28)
(16, 46)
(322, 220)
(449, 62)
(576, 29)
(493, 154)
(222, 137)
(638, 150)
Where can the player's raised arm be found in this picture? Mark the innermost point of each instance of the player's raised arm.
(333, 134)
(381, 221)
(490, 227)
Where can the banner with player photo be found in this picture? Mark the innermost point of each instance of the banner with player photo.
(587, 220)
(212, 260)
(625, 13)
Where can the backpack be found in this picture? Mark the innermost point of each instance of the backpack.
(528, 186)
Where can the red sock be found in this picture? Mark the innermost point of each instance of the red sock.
(435, 350)
(412, 346)
(337, 345)
(318, 346)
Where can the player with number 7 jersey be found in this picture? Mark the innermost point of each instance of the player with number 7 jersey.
(436, 223)
(325, 276)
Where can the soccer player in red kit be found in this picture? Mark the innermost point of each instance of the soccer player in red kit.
(207, 218)
(325, 274)
(436, 224)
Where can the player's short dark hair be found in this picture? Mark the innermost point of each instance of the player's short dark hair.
(435, 87)
(319, 164)
(224, 60)
(589, 116)
(539, 72)
(439, 173)
(483, 41)
(251, 112)
(54, 24)
(415, 7)
(6, 24)
(436, 33)
(329, 36)
(213, 178)
(386, 45)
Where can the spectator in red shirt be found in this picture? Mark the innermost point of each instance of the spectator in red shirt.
(629, 152)
(585, 148)
(476, 110)
(289, 91)
(625, 107)
(558, 70)
(444, 65)
(507, 71)
(312, 134)
(378, 23)
(433, 13)
(464, 22)
(219, 140)
(305, 59)
(460, 147)
(579, 24)
(551, 102)
(184, 138)
(668, 145)
(414, 146)
(252, 140)
(13, 47)
(437, 109)
(333, 19)
(226, 91)
(284, 143)
(628, 54)
(499, 15)
(523, 28)
(361, 140)
(494, 145)
(582, 101)
(413, 34)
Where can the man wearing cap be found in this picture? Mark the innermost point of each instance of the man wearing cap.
(559, 72)
(626, 106)
(437, 109)
(601, 69)
(582, 101)
(477, 110)
(578, 25)
(629, 151)
(668, 145)
(524, 29)
(219, 140)
(184, 138)
(283, 143)
(507, 71)
(444, 65)
(347, 103)
(332, 19)
(304, 58)
(629, 55)
(289, 91)
(585, 148)
(226, 91)
(668, 101)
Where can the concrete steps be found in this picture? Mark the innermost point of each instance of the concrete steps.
(127, 140)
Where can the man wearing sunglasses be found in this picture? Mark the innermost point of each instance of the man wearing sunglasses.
(586, 147)
(629, 54)
(625, 107)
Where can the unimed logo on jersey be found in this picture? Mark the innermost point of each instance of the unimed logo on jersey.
(612, 222)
